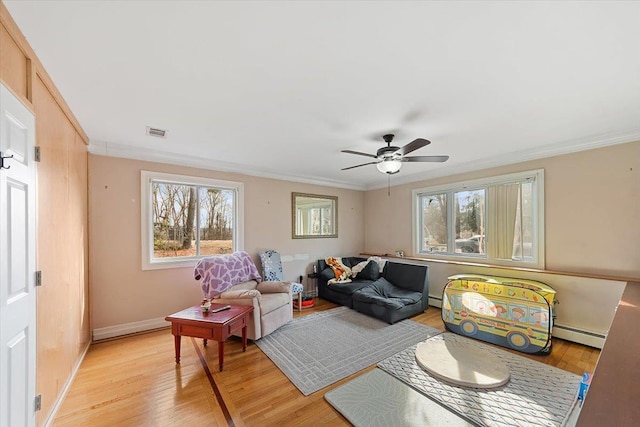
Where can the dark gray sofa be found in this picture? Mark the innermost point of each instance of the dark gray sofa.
(340, 293)
(401, 291)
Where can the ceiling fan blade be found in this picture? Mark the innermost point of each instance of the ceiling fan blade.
(359, 153)
(412, 146)
(436, 159)
(357, 166)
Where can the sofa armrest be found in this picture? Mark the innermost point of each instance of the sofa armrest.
(239, 294)
(273, 287)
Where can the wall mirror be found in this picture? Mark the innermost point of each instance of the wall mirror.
(314, 216)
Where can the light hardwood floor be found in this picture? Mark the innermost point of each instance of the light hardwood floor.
(134, 381)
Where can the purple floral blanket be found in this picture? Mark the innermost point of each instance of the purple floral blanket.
(219, 273)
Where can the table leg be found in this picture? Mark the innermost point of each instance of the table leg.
(300, 301)
(221, 354)
(177, 345)
(244, 338)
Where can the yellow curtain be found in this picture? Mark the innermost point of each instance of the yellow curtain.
(502, 206)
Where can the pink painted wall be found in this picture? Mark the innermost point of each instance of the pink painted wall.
(592, 210)
(592, 204)
(122, 293)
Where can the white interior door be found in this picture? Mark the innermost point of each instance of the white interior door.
(17, 264)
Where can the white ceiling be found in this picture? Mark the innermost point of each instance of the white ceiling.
(279, 88)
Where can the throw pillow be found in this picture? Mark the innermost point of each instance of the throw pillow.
(370, 271)
(356, 269)
(327, 274)
(271, 265)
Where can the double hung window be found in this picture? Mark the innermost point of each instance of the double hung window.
(500, 219)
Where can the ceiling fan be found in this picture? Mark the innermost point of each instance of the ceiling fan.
(389, 159)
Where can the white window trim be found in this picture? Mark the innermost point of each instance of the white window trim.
(146, 178)
(538, 221)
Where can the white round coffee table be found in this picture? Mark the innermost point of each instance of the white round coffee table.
(458, 361)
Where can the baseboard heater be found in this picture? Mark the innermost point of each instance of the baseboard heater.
(580, 336)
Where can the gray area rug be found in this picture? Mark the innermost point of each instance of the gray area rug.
(377, 399)
(319, 349)
(536, 395)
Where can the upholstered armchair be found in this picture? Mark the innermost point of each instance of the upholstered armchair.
(271, 303)
(234, 279)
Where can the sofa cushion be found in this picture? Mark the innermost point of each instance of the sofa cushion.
(371, 271)
(407, 276)
(349, 287)
(327, 274)
(350, 261)
(382, 292)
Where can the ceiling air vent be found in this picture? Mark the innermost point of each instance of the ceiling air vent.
(159, 133)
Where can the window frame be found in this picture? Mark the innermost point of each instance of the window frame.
(470, 185)
(146, 211)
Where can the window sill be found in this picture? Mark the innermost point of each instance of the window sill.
(170, 263)
(508, 267)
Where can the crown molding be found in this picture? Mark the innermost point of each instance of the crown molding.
(110, 149)
(549, 150)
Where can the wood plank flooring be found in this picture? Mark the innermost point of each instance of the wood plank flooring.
(134, 381)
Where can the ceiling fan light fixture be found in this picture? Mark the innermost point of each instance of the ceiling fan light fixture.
(389, 159)
(389, 166)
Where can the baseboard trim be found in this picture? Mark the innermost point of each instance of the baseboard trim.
(129, 328)
(580, 336)
(65, 389)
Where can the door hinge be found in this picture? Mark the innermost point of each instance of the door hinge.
(37, 147)
(38, 278)
(38, 403)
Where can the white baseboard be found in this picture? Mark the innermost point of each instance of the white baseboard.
(129, 328)
(580, 336)
(65, 389)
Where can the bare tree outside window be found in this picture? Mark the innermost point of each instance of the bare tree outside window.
(191, 220)
(469, 217)
(434, 213)
(216, 225)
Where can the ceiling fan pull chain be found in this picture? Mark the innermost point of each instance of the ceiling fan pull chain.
(388, 185)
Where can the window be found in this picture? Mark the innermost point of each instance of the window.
(500, 219)
(185, 218)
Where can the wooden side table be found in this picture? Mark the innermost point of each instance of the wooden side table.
(192, 322)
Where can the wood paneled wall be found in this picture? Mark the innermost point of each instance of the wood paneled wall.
(13, 64)
(63, 329)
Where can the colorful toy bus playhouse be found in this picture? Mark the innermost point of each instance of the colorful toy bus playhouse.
(514, 313)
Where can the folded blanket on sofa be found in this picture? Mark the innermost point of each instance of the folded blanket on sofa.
(219, 273)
